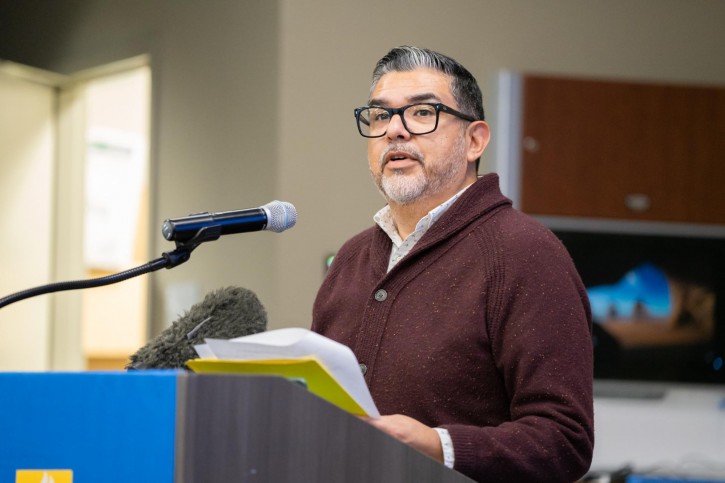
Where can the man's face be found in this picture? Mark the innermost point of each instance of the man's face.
(407, 167)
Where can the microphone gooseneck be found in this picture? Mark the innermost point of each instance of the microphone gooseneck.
(188, 232)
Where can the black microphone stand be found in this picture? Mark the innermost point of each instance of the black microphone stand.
(171, 259)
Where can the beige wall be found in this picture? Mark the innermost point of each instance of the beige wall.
(234, 83)
(215, 73)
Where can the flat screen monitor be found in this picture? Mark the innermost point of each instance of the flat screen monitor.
(658, 304)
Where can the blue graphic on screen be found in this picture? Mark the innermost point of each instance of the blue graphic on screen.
(642, 292)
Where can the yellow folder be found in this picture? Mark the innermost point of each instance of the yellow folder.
(318, 379)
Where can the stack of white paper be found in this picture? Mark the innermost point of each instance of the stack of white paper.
(295, 343)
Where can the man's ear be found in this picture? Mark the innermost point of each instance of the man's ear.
(477, 134)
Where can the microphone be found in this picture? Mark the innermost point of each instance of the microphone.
(276, 216)
(225, 313)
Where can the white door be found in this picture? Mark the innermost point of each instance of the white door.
(27, 153)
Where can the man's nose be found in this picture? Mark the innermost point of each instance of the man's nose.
(396, 128)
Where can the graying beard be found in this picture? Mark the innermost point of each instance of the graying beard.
(403, 189)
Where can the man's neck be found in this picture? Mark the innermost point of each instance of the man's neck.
(407, 216)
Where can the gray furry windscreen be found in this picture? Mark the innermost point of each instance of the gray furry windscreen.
(225, 313)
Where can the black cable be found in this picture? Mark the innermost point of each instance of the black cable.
(171, 259)
(80, 284)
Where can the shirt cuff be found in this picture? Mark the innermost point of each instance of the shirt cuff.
(447, 445)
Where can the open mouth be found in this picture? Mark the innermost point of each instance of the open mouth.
(399, 157)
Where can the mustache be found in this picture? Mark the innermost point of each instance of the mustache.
(406, 149)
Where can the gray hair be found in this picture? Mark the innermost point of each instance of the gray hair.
(464, 88)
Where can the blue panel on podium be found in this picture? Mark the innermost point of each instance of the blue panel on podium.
(104, 426)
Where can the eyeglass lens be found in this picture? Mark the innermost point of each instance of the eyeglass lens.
(418, 119)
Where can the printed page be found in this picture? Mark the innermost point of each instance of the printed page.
(294, 343)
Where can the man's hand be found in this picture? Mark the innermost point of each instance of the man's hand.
(411, 432)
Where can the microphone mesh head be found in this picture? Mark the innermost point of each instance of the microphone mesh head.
(280, 216)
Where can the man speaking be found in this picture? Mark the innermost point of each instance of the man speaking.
(468, 318)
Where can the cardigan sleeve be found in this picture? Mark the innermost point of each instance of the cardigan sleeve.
(539, 325)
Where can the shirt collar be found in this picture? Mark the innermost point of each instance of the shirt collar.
(385, 221)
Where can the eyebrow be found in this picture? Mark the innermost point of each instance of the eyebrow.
(424, 97)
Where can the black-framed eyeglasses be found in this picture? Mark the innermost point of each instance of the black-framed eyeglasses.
(422, 118)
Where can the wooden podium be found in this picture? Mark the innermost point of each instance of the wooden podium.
(175, 426)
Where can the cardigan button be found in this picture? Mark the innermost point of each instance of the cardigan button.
(381, 295)
(363, 368)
